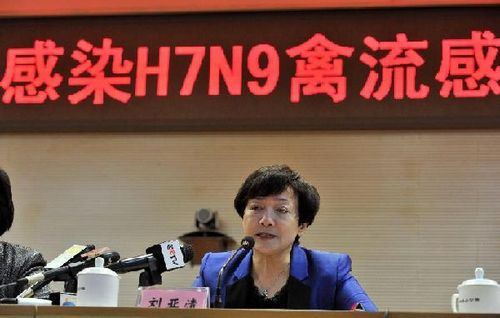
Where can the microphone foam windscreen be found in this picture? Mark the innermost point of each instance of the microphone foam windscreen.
(187, 251)
(247, 242)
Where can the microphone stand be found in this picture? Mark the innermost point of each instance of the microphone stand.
(71, 285)
(218, 293)
(246, 245)
(151, 275)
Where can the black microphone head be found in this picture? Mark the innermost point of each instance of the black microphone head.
(110, 257)
(247, 242)
(187, 252)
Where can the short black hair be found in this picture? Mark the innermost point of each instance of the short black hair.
(272, 180)
(6, 204)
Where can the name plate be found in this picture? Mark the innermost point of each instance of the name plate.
(156, 297)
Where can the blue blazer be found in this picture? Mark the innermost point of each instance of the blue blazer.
(318, 280)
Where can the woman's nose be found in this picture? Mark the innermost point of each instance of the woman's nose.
(267, 219)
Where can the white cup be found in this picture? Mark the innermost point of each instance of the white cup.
(98, 286)
(477, 295)
(477, 299)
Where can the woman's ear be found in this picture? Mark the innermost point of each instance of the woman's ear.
(302, 228)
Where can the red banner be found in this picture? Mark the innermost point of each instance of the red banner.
(343, 69)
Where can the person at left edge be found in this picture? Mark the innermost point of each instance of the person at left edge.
(16, 261)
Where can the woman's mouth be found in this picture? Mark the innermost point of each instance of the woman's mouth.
(265, 236)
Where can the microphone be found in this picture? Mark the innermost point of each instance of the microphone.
(166, 256)
(247, 244)
(68, 273)
(75, 253)
(70, 255)
(64, 272)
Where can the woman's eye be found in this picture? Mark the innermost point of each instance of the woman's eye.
(282, 210)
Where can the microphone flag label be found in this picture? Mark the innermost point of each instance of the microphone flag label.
(172, 254)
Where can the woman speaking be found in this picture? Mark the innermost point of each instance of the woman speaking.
(277, 206)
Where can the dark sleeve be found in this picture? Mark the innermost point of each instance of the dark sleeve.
(30, 262)
(33, 263)
(350, 294)
(18, 262)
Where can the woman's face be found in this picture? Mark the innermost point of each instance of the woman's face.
(273, 222)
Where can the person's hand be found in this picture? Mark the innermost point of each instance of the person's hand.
(96, 252)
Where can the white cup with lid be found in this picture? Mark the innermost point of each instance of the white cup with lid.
(98, 286)
(479, 295)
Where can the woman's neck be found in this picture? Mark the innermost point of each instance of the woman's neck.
(270, 264)
(270, 272)
(268, 267)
